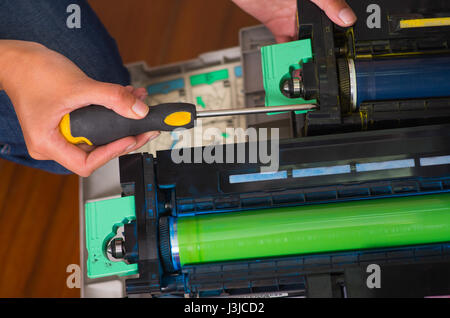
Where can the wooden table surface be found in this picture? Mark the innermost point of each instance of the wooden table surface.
(38, 210)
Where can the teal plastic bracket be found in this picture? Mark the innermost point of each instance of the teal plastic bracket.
(103, 218)
(278, 61)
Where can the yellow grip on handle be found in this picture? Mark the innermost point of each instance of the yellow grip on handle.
(178, 119)
(64, 128)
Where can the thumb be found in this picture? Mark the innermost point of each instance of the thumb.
(338, 11)
(115, 97)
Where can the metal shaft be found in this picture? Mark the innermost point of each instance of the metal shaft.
(255, 110)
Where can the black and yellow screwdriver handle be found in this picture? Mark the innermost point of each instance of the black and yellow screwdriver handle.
(97, 125)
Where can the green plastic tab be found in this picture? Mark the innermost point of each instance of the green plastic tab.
(209, 78)
(278, 61)
(103, 218)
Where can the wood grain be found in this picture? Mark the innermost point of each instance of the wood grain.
(39, 214)
(38, 210)
(167, 31)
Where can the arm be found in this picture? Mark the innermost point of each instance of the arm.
(279, 15)
(43, 86)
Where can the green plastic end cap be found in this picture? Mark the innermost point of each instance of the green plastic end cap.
(103, 218)
(278, 61)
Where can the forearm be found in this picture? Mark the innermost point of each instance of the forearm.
(13, 56)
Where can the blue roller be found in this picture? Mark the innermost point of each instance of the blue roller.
(402, 78)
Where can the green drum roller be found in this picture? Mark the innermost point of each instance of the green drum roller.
(257, 234)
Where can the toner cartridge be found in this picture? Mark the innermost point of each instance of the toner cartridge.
(363, 179)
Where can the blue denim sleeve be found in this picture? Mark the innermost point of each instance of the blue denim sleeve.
(90, 47)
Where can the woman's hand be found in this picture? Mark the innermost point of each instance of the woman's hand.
(43, 86)
(279, 15)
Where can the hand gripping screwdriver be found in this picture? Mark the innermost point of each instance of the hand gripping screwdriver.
(97, 125)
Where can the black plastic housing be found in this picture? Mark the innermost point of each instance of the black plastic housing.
(398, 129)
(368, 40)
(167, 189)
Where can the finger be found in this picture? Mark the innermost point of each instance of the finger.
(142, 139)
(141, 93)
(338, 11)
(86, 147)
(283, 39)
(103, 154)
(82, 163)
(113, 96)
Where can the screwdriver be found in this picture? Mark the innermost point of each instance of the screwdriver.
(97, 125)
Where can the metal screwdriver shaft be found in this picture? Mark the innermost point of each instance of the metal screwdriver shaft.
(254, 110)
